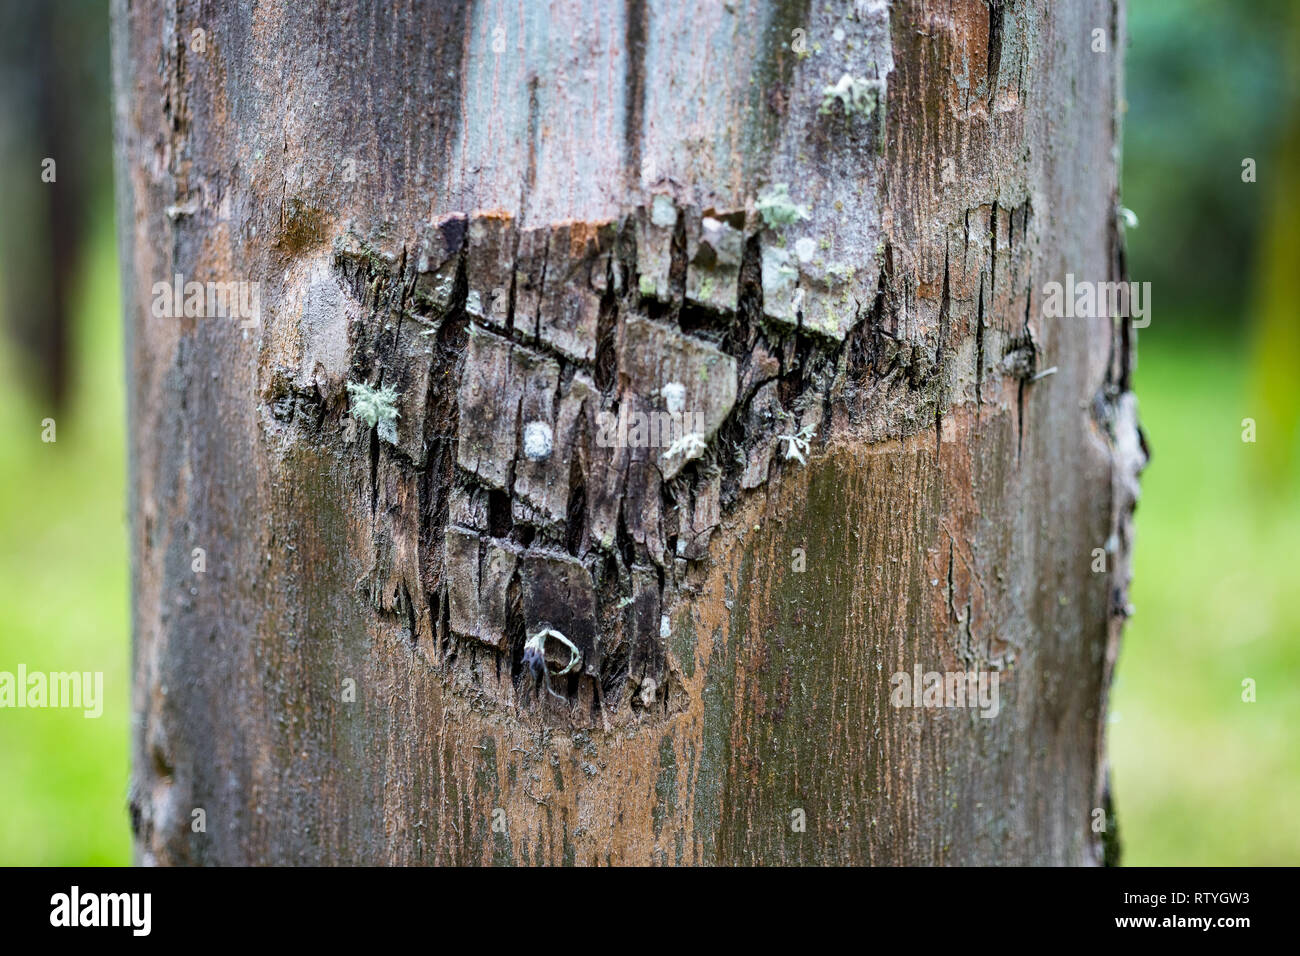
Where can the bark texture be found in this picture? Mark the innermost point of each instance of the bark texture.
(530, 219)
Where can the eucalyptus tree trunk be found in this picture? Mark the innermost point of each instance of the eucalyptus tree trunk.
(572, 433)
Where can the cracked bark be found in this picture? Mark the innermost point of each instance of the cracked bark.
(552, 250)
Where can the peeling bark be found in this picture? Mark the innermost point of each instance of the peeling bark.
(608, 353)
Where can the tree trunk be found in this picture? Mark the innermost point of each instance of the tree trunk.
(555, 236)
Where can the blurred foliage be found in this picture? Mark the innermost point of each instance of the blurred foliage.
(1199, 776)
(1276, 394)
(54, 149)
(1207, 86)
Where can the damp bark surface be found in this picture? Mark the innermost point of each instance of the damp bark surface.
(718, 393)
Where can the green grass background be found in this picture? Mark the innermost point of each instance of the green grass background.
(1201, 777)
(65, 592)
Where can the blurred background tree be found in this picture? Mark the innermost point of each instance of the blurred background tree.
(1277, 335)
(1207, 87)
(55, 132)
(1210, 85)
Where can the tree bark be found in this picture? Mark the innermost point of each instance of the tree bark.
(527, 220)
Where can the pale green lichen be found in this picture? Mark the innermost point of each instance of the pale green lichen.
(857, 95)
(375, 407)
(778, 209)
(690, 445)
(535, 657)
(474, 304)
(799, 444)
(662, 212)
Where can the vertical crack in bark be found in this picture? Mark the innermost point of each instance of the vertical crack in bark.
(635, 25)
(997, 16)
(979, 348)
(993, 250)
